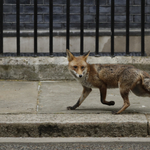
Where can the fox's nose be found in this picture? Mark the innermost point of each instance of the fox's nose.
(80, 75)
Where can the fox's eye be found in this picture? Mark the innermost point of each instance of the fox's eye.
(82, 67)
(75, 67)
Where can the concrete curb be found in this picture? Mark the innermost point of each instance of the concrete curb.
(74, 125)
(55, 68)
(74, 140)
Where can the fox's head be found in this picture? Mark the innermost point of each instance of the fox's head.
(77, 65)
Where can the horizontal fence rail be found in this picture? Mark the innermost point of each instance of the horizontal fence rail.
(81, 51)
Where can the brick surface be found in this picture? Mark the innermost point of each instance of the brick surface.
(39, 18)
(137, 2)
(59, 11)
(121, 10)
(137, 18)
(147, 10)
(7, 9)
(9, 18)
(148, 2)
(25, 18)
(38, 1)
(10, 1)
(148, 19)
(25, 2)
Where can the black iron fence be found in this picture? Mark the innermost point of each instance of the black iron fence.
(51, 35)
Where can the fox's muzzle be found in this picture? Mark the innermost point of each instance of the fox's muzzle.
(80, 76)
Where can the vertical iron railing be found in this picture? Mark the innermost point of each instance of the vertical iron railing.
(51, 27)
(82, 27)
(67, 23)
(112, 27)
(35, 27)
(18, 26)
(97, 29)
(142, 27)
(1, 27)
(127, 26)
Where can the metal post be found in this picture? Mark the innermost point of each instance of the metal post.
(51, 27)
(68, 23)
(142, 27)
(127, 27)
(97, 28)
(35, 27)
(112, 27)
(18, 26)
(81, 27)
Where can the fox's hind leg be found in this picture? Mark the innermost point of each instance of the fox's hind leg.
(124, 94)
(128, 80)
(103, 91)
(85, 93)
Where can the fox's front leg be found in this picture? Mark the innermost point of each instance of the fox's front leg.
(103, 91)
(86, 91)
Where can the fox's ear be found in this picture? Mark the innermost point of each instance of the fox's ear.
(86, 55)
(69, 55)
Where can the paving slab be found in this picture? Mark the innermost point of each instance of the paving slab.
(54, 97)
(38, 109)
(18, 97)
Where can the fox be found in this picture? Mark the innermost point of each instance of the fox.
(104, 76)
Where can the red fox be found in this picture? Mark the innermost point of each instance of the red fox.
(125, 77)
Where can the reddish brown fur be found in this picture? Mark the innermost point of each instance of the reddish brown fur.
(126, 77)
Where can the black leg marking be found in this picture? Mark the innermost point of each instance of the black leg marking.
(75, 106)
(103, 101)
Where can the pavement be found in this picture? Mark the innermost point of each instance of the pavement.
(86, 143)
(38, 109)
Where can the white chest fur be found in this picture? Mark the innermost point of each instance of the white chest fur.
(84, 81)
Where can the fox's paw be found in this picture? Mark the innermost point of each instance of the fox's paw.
(70, 108)
(114, 113)
(111, 103)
